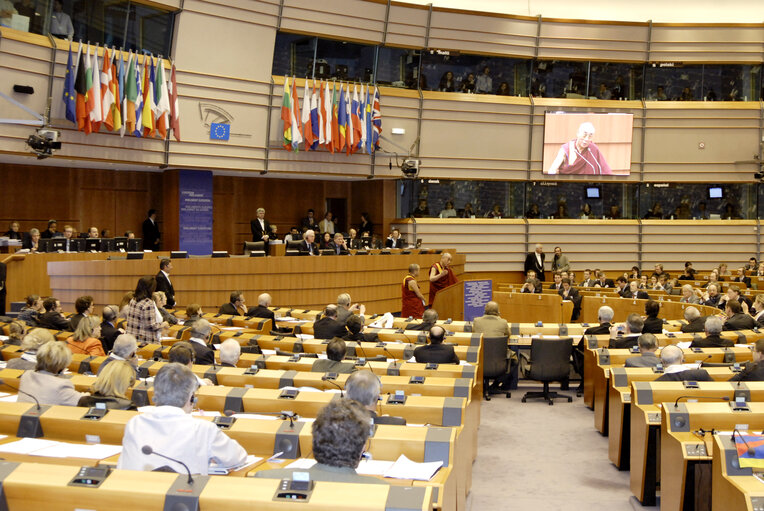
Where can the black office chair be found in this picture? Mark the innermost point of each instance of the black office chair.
(293, 248)
(254, 248)
(495, 364)
(550, 361)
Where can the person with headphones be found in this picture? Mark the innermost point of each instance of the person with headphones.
(436, 352)
(169, 428)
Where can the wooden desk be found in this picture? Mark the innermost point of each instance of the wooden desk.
(622, 307)
(531, 307)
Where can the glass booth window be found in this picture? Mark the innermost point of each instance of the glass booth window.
(398, 67)
(476, 74)
(702, 82)
(559, 79)
(697, 201)
(615, 80)
(345, 61)
(293, 55)
(562, 200)
(149, 29)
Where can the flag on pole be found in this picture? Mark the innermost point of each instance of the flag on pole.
(286, 115)
(116, 92)
(362, 108)
(320, 112)
(349, 140)
(335, 124)
(131, 97)
(328, 117)
(94, 94)
(341, 121)
(107, 93)
(376, 119)
(307, 121)
(70, 96)
(149, 98)
(81, 88)
(355, 112)
(163, 101)
(315, 122)
(140, 100)
(367, 121)
(174, 108)
(295, 118)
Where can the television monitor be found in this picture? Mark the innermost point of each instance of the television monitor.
(135, 245)
(593, 192)
(107, 245)
(44, 245)
(120, 244)
(76, 245)
(57, 244)
(92, 244)
(715, 192)
(587, 143)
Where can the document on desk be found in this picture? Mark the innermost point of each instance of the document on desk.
(12, 398)
(404, 468)
(217, 470)
(255, 416)
(684, 345)
(231, 328)
(302, 463)
(374, 467)
(26, 445)
(67, 450)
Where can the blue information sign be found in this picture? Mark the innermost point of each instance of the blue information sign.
(477, 293)
(195, 221)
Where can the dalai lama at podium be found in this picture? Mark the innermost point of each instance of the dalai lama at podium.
(441, 276)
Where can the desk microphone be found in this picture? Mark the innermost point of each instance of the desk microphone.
(2, 382)
(146, 449)
(750, 450)
(384, 347)
(342, 392)
(368, 363)
(705, 360)
(722, 398)
(283, 414)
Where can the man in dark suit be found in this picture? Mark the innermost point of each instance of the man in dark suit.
(109, 331)
(653, 324)
(83, 306)
(629, 336)
(308, 245)
(734, 294)
(394, 241)
(309, 222)
(354, 242)
(672, 358)
(262, 310)
(151, 232)
(163, 282)
(338, 245)
(53, 318)
(736, 319)
(535, 261)
(567, 292)
(436, 352)
(261, 228)
(604, 316)
(633, 291)
(200, 335)
(429, 318)
(740, 277)
(713, 329)
(335, 352)
(236, 305)
(587, 281)
(695, 323)
(364, 386)
(648, 344)
(603, 281)
(753, 371)
(355, 328)
(328, 327)
(557, 284)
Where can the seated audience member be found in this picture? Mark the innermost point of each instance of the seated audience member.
(183, 353)
(490, 324)
(16, 332)
(713, 278)
(262, 310)
(354, 242)
(753, 371)
(84, 308)
(200, 336)
(429, 318)
(31, 241)
(170, 429)
(760, 270)
(51, 231)
(603, 281)
(626, 335)
(236, 305)
(160, 299)
(45, 382)
(658, 270)
(85, 340)
(663, 284)
(605, 317)
(328, 327)
(109, 330)
(711, 297)
(587, 281)
(713, 328)
(622, 286)
(355, 328)
(363, 386)
(130, 235)
(31, 311)
(326, 239)
(340, 432)
(394, 240)
(643, 282)
(688, 295)
(193, 313)
(740, 277)
(648, 344)
(757, 309)
(653, 324)
(557, 284)
(689, 273)
(723, 270)
(436, 352)
(530, 286)
(733, 293)
(123, 350)
(230, 351)
(633, 291)
(309, 222)
(53, 318)
(672, 358)
(293, 235)
(448, 211)
(29, 345)
(695, 323)
(308, 245)
(13, 231)
(335, 352)
(110, 387)
(752, 265)
(345, 310)
(125, 303)
(736, 318)
(567, 292)
(338, 245)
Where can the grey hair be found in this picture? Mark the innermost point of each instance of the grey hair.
(201, 328)
(173, 385)
(670, 355)
(343, 299)
(430, 316)
(110, 312)
(230, 351)
(261, 210)
(363, 386)
(691, 313)
(125, 345)
(605, 314)
(648, 342)
(713, 325)
(264, 300)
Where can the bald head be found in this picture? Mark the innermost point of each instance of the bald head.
(437, 334)
(492, 309)
(264, 300)
(671, 355)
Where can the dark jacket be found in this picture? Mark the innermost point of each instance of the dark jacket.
(262, 312)
(54, 321)
(305, 250)
(688, 375)
(623, 342)
(164, 285)
(696, 325)
(328, 328)
(324, 365)
(75, 320)
(653, 326)
(712, 341)
(436, 354)
(229, 308)
(204, 355)
(751, 372)
(739, 322)
(531, 263)
(108, 335)
(112, 403)
(150, 235)
(645, 360)
(342, 249)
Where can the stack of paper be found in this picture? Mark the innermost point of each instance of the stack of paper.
(404, 468)
(215, 469)
(302, 464)
(50, 448)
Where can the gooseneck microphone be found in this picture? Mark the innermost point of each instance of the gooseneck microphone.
(718, 398)
(750, 450)
(342, 391)
(705, 360)
(36, 402)
(384, 347)
(147, 450)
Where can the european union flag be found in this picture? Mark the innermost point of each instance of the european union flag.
(70, 96)
(220, 131)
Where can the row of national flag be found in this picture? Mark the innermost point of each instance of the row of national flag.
(333, 117)
(120, 94)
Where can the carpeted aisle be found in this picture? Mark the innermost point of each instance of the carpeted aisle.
(536, 457)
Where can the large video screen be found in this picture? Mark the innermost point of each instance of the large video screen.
(587, 144)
